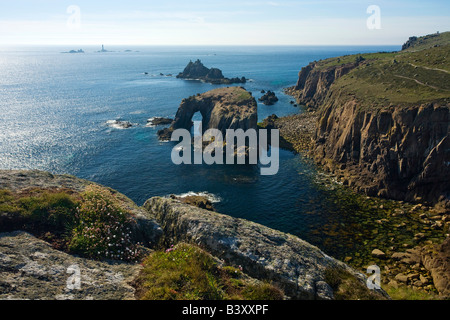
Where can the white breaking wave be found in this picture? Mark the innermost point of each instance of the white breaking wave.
(116, 124)
(138, 112)
(210, 196)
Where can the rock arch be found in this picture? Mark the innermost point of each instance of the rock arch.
(223, 108)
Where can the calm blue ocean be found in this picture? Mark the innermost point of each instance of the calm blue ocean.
(54, 109)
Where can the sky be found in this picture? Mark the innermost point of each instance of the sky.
(217, 22)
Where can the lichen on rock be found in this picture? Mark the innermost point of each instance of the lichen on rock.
(292, 264)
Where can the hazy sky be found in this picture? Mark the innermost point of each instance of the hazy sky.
(216, 22)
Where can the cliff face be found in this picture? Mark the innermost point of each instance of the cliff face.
(400, 153)
(383, 120)
(313, 82)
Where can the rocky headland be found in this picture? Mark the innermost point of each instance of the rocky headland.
(197, 71)
(379, 124)
(34, 267)
(383, 120)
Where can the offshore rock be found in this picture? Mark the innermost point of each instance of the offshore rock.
(197, 71)
(158, 121)
(222, 109)
(269, 98)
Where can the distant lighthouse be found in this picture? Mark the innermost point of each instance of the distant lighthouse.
(103, 49)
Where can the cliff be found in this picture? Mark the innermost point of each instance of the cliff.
(396, 153)
(314, 82)
(383, 119)
(223, 108)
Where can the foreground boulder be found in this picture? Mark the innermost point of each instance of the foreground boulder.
(294, 265)
(32, 269)
(16, 180)
(436, 259)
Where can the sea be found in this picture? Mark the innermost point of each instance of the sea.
(56, 111)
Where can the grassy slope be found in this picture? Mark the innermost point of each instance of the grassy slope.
(418, 75)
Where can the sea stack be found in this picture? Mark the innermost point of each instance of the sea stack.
(223, 108)
(197, 71)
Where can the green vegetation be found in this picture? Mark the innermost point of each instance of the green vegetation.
(49, 211)
(338, 61)
(92, 224)
(420, 74)
(407, 293)
(39, 211)
(347, 287)
(186, 272)
(387, 82)
(428, 41)
(7, 203)
(103, 228)
(242, 95)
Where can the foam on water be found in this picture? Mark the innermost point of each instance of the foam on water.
(210, 196)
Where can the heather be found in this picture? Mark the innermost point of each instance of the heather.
(92, 224)
(103, 228)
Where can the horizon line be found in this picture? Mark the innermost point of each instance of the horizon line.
(198, 45)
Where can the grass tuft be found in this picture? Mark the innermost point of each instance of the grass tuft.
(186, 272)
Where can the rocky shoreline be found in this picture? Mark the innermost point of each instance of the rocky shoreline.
(296, 131)
(264, 254)
(378, 151)
(404, 265)
(295, 266)
(391, 149)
